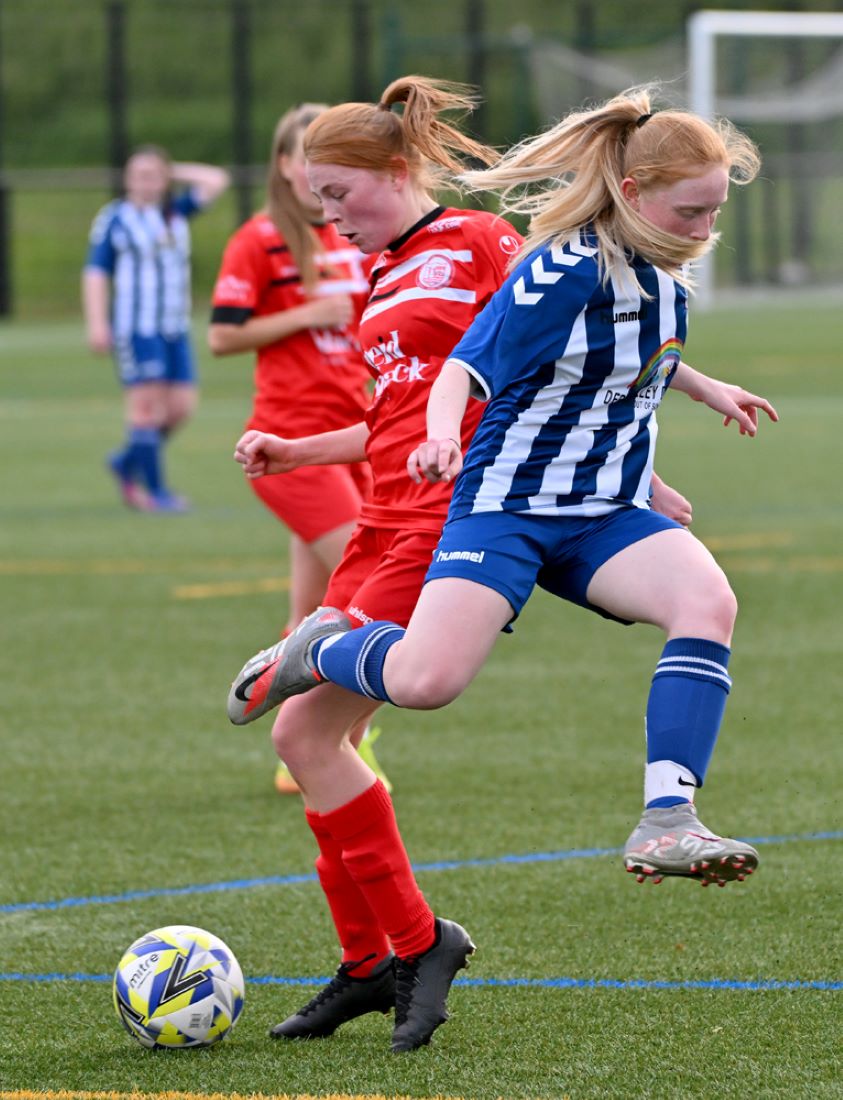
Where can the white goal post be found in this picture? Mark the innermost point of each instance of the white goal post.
(704, 30)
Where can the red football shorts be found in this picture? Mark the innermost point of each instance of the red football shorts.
(381, 574)
(314, 500)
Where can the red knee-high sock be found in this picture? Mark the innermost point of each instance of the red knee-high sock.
(357, 927)
(375, 857)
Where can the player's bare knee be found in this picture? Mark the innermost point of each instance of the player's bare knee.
(721, 607)
(426, 688)
(288, 739)
(300, 754)
(708, 612)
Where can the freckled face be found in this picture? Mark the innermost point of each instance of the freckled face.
(366, 206)
(687, 208)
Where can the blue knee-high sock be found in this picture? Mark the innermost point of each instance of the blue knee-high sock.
(144, 455)
(355, 660)
(122, 461)
(687, 700)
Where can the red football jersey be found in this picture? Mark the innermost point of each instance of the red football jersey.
(427, 288)
(314, 380)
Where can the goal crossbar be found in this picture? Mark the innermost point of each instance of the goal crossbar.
(704, 27)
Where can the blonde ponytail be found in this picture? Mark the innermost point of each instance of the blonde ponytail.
(579, 165)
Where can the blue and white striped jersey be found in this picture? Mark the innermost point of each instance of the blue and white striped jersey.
(573, 372)
(146, 251)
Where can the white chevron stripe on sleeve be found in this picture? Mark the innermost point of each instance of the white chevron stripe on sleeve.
(522, 296)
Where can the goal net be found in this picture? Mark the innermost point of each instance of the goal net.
(779, 77)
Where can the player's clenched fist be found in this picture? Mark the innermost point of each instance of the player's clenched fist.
(436, 460)
(261, 453)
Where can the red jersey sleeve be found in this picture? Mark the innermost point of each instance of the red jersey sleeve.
(242, 277)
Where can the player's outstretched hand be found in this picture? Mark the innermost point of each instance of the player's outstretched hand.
(436, 460)
(739, 405)
(261, 453)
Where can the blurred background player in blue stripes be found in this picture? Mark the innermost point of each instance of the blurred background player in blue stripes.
(136, 301)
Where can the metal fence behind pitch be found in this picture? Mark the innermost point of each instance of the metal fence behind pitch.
(83, 81)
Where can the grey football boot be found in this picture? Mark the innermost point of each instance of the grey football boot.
(284, 669)
(673, 841)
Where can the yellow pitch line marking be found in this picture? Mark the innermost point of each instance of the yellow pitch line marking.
(73, 1094)
(230, 588)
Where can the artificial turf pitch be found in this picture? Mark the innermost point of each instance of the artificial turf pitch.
(129, 802)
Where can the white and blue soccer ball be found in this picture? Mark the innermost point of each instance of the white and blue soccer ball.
(178, 987)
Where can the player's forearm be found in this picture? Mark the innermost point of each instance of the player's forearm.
(700, 387)
(95, 298)
(447, 402)
(689, 381)
(330, 448)
(207, 180)
(257, 332)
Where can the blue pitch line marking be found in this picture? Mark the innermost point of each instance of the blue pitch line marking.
(760, 986)
(293, 880)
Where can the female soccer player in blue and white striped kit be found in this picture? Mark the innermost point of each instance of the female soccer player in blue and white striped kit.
(136, 299)
(572, 357)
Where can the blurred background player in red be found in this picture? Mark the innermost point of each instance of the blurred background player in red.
(291, 289)
(376, 173)
(136, 302)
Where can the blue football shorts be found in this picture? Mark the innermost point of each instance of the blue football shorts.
(512, 552)
(142, 359)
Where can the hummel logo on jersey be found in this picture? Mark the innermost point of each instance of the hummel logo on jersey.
(623, 316)
(544, 270)
(385, 352)
(475, 556)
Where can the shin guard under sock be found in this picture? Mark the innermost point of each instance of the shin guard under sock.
(684, 712)
(144, 455)
(358, 931)
(355, 660)
(375, 857)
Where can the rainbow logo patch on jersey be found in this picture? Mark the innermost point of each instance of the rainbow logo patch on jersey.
(660, 366)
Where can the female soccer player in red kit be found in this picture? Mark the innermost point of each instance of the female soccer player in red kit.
(291, 289)
(375, 172)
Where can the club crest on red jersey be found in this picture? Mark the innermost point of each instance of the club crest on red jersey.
(435, 272)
